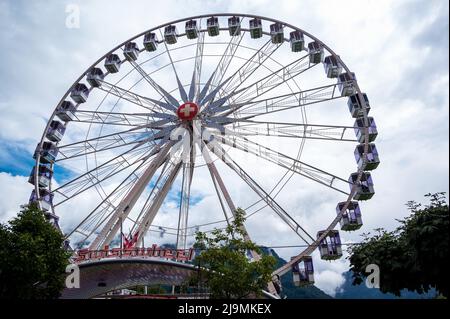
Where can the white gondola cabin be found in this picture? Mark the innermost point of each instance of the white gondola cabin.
(191, 29)
(255, 26)
(351, 218)
(55, 131)
(44, 173)
(66, 111)
(112, 63)
(372, 157)
(332, 66)
(45, 200)
(234, 26)
(95, 77)
(365, 189)
(345, 83)
(316, 53)
(330, 246)
(150, 41)
(131, 51)
(170, 34)
(79, 93)
(303, 272)
(212, 25)
(360, 129)
(297, 41)
(355, 106)
(277, 33)
(48, 152)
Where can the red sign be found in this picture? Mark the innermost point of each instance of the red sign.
(187, 111)
(154, 251)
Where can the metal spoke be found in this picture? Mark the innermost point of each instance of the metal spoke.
(118, 118)
(226, 59)
(105, 171)
(110, 141)
(244, 72)
(194, 90)
(110, 229)
(221, 154)
(281, 129)
(250, 109)
(318, 175)
(145, 102)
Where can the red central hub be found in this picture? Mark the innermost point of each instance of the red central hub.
(187, 111)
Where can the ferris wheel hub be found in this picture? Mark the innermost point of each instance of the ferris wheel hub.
(187, 111)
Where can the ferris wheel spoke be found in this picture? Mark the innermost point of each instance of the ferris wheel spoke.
(106, 207)
(155, 203)
(244, 72)
(89, 149)
(121, 138)
(285, 217)
(194, 89)
(226, 59)
(122, 210)
(103, 172)
(118, 118)
(281, 129)
(268, 83)
(306, 170)
(142, 101)
(251, 109)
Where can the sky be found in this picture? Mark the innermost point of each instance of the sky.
(398, 50)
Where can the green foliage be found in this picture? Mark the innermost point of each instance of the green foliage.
(414, 256)
(224, 266)
(32, 259)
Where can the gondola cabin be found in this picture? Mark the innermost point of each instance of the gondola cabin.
(44, 175)
(303, 272)
(372, 157)
(255, 26)
(360, 129)
(212, 25)
(345, 83)
(45, 200)
(79, 93)
(150, 41)
(330, 246)
(95, 77)
(355, 106)
(131, 51)
(297, 41)
(48, 152)
(351, 217)
(55, 131)
(112, 63)
(332, 66)
(66, 111)
(170, 34)
(234, 26)
(276, 33)
(315, 52)
(191, 29)
(365, 189)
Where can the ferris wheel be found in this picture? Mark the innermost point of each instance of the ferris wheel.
(240, 99)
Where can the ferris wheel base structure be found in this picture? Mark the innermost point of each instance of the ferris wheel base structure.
(102, 276)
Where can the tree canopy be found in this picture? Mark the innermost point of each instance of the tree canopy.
(32, 257)
(224, 265)
(414, 256)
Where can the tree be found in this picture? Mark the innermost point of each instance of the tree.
(224, 266)
(414, 256)
(32, 257)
